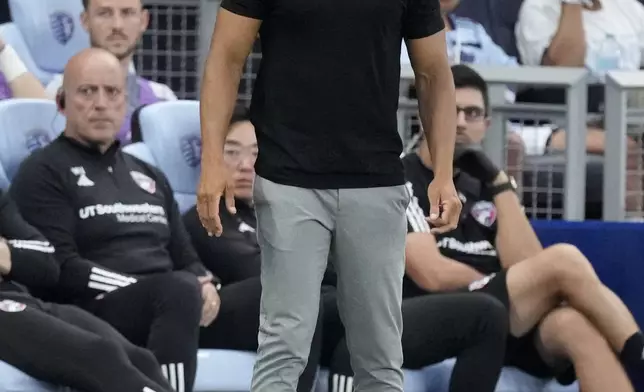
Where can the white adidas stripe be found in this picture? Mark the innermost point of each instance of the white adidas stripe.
(101, 286)
(175, 374)
(340, 383)
(39, 246)
(415, 214)
(100, 279)
(113, 275)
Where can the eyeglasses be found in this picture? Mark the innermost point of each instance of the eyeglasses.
(472, 113)
(235, 154)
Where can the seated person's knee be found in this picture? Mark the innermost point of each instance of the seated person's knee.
(567, 259)
(493, 315)
(564, 327)
(178, 288)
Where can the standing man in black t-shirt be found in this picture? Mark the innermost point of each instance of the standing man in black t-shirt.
(329, 178)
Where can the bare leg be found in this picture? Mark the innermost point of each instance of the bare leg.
(566, 334)
(562, 273)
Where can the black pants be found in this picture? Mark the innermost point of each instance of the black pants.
(237, 326)
(160, 313)
(471, 327)
(65, 345)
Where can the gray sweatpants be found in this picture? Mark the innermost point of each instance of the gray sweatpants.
(365, 231)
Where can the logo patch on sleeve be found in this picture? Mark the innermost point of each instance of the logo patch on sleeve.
(10, 306)
(479, 284)
(145, 182)
(484, 212)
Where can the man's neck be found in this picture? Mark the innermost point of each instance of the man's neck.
(447, 21)
(125, 64)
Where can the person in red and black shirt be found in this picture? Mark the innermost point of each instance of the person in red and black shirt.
(495, 251)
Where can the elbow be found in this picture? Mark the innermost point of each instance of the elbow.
(223, 61)
(427, 278)
(434, 79)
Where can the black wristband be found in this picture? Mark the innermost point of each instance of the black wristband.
(510, 185)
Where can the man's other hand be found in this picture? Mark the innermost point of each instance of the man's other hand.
(214, 183)
(445, 205)
(211, 301)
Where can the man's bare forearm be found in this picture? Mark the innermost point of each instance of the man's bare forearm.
(515, 238)
(568, 46)
(218, 97)
(432, 271)
(438, 116)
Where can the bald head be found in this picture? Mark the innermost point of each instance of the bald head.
(94, 85)
(92, 60)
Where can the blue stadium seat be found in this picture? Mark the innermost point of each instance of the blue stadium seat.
(172, 134)
(224, 370)
(13, 380)
(141, 151)
(12, 36)
(52, 30)
(27, 125)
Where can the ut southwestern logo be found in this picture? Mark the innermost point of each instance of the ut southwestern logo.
(191, 150)
(62, 26)
(37, 139)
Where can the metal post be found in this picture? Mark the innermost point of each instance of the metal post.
(207, 18)
(575, 171)
(615, 151)
(494, 141)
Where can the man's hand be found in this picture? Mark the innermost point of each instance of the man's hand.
(211, 301)
(214, 183)
(445, 205)
(5, 257)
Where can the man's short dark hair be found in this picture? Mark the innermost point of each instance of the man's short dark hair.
(240, 114)
(466, 77)
(85, 4)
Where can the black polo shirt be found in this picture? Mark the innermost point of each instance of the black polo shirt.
(473, 242)
(326, 95)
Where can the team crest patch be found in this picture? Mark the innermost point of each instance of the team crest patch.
(479, 284)
(10, 306)
(484, 212)
(145, 182)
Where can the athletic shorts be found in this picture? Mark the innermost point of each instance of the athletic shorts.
(521, 352)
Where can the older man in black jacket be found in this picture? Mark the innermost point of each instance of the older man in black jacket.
(60, 344)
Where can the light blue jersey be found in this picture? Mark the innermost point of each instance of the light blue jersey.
(469, 43)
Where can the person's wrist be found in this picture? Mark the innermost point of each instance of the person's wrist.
(500, 178)
(11, 64)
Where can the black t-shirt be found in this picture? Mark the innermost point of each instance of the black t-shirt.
(326, 95)
(473, 241)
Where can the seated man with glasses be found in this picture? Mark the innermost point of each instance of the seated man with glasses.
(561, 315)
